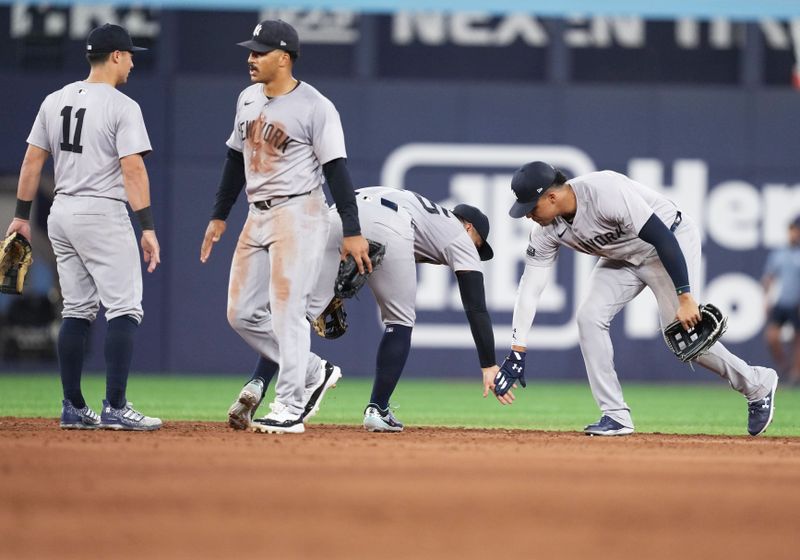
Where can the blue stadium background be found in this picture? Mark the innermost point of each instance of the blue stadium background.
(448, 103)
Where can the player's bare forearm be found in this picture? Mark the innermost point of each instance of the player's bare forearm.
(357, 246)
(137, 184)
(213, 234)
(688, 311)
(30, 174)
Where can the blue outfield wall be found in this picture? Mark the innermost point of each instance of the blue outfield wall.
(726, 154)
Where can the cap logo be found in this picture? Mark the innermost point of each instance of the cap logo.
(88, 47)
(539, 190)
(257, 30)
(283, 43)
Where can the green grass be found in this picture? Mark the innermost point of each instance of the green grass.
(680, 409)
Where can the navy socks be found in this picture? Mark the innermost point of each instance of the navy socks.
(265, 370)
(119, 352)
(392, 355)
(71, 350)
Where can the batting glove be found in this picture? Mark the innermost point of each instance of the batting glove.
(512, 370)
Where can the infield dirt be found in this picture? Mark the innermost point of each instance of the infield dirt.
(201, 490)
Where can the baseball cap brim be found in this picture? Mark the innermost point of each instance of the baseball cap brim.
(255, 46)
(136, 49)
(521, 209)
(485, 251)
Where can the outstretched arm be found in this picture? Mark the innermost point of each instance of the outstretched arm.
(530, 288)
(473, 298)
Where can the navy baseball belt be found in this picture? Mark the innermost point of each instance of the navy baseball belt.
(677, 222)
(267, 204)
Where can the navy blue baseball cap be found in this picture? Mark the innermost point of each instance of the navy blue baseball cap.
(528, 184)
(273, 34)
(481, 224)
(109, 38)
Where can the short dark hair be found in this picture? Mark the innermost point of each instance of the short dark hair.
(97, 58)
(560, 178)
(294, 55)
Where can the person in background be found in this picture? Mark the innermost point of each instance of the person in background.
(781, 281)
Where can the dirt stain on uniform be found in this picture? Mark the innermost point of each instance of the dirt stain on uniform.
(267, 142)
(283, 250)
(240, 269)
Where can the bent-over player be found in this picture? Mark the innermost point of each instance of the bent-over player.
(413, 230)
(97, 137)
(643, 240)
(286, 137)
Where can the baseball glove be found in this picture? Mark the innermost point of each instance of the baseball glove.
(690, 345)
(333, 321)
(349, 280)
(16, 257)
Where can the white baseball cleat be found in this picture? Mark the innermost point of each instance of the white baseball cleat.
(330, 375)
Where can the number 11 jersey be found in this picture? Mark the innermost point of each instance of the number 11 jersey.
(88, 128)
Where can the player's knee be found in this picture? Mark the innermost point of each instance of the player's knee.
(588, 320)
(236, 318)
(87, 312)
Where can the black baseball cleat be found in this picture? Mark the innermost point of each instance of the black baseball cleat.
(607, 426)
(760, 412)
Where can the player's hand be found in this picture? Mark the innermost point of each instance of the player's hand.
(488, 385)
(22, 227)
(357, 246)
(511, 371)
(150, 249)
(688, 311)
(214, 232)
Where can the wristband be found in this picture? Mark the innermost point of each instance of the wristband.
(23, 211)
(683, 290)
(145, 216)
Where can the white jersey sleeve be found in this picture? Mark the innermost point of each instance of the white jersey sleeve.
(131, 136)
(326, 133)
(461, 254)
(236, 139)
(543, 246)
(38, 136)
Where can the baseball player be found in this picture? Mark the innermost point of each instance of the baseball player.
(286, 137)
(97, 138)
(781, 279)
(414, 230)
(643, 240)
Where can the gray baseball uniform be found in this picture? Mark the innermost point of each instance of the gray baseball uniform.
(88, 127)
(611, 210)
(285, 141)
(414, 230)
